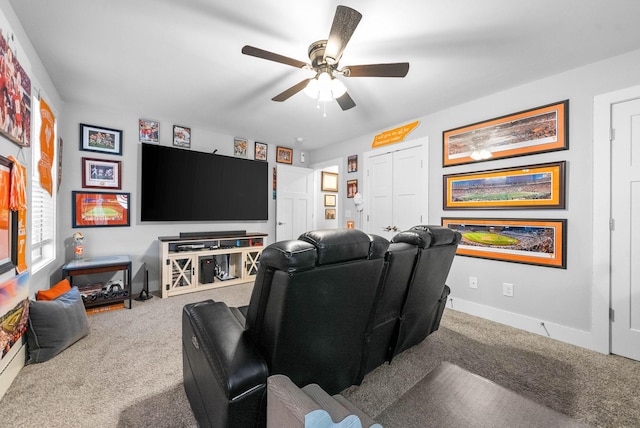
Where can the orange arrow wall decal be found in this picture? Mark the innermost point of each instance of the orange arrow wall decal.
(393, 135)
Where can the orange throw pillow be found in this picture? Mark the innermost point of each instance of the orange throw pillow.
(57, 290)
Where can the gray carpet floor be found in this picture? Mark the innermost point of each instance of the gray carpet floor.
(128, 371)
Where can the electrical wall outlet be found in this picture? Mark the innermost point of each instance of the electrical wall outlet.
(507, 289)
(473, 282)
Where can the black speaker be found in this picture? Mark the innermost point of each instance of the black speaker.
(207, 270)
(144, 294)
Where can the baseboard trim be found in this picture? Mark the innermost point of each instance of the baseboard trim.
(15, 362)
(581, 338)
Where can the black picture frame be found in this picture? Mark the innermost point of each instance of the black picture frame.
(100, 209)
(182, 136)
(100, 139)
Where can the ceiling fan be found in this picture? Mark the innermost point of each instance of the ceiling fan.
(324, 56)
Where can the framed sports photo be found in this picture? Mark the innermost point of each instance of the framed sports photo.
(537, 130)
(284, 155)
(100, 139)
(181, 136)
(260, 151)
(541, 242)
(149, 131)
(540, 186)
(101, 173)
(96, 209)
(352, 188)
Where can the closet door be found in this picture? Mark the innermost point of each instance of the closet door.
(396, 183)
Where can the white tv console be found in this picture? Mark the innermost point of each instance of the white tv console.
(184, 260)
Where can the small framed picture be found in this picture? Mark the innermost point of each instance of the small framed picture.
(96, 209)
(261, 151)
(330, 214)
(329, 182)
(181, 136)
(329, 200)
(101, 173)
(284, 155)
(351, 224)
(240, 147)
(149, 131)
(352, 188)
(99, 139)
(352, 163)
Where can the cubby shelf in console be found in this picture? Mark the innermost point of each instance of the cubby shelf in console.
(195, 262)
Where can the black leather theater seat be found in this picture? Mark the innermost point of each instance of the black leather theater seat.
(326, 309)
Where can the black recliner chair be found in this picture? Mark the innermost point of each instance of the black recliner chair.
(310, 308)
(413, 293)
(326, 309)
(427, 292)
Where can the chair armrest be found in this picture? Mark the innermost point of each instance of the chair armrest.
(219, 335)
(225, 376)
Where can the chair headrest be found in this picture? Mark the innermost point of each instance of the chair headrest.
(428, 236)
(289, 256)
(341, 245)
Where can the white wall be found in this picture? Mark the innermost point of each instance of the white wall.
(559, 298)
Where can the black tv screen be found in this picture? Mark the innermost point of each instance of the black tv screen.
(186, 185)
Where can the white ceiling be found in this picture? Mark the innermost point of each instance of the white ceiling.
(182, 60)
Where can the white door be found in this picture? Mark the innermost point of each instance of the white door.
(396, 189)
(380, 195)
(625, 234)
(294, 192)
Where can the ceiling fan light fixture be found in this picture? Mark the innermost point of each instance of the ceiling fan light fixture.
(325, 88)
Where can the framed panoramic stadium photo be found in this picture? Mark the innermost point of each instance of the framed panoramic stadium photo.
(537, 130)
(539, 186)
(531, 241)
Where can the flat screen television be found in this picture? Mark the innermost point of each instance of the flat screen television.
(186, 185)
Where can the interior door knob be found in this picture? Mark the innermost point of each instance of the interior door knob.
(280, 223)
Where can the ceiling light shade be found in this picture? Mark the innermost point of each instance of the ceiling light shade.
(325, 88)
(337, 88)
(312, 88)
(481, 154)
(324, 84)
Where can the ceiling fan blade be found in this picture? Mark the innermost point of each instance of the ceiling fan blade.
(344, 24)
(398, 69)
(345, 101)
(260, 53)
(291, 91)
